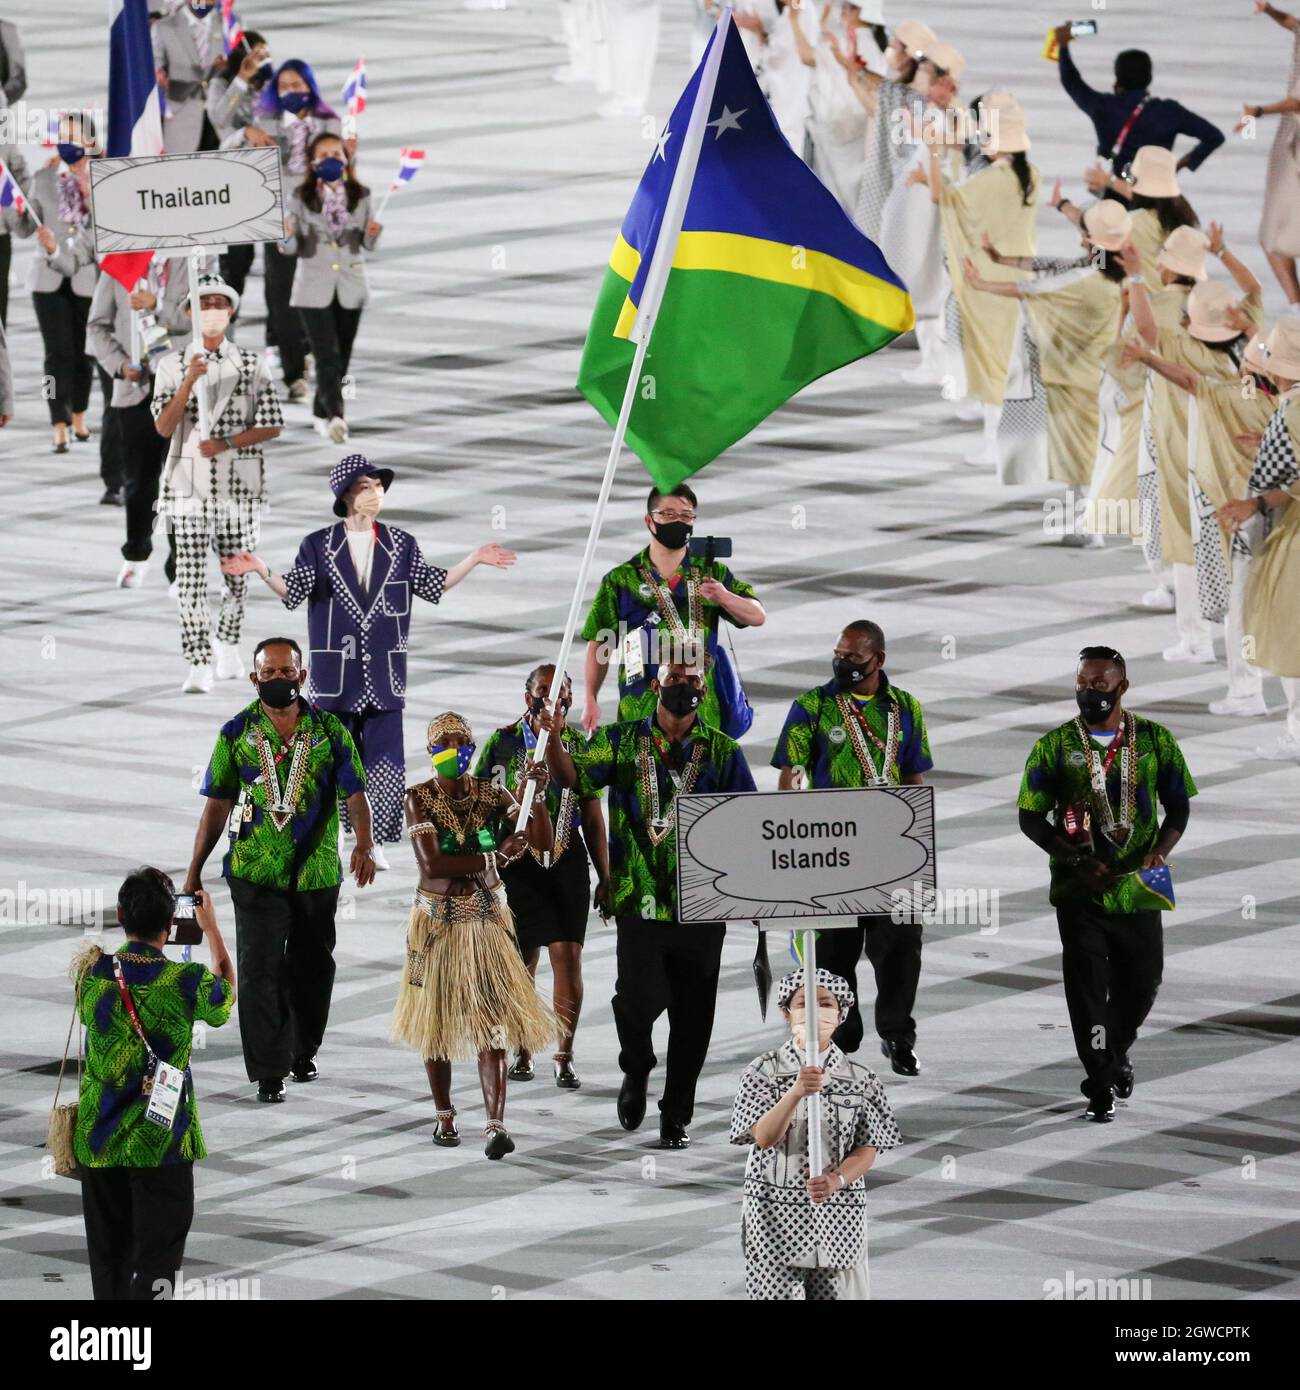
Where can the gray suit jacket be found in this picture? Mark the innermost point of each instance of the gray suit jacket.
(10, 217)
(6, 378)
(274, 127)
(12, 62)
(75, 258)
(230, 106)
(108, 331)
(175, 52)
(327, 267)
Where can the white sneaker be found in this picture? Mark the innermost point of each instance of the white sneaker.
(1195, 656)
(568, 73)
(132, 574)
(922, 376)
(174, 590)
(968, 410)
(230, 665)
(1242, 706)
(322, 427)
(1160, 599)
(338, 430)
(199, 681)
(377, 858)
(1284, 749)
(298, 390)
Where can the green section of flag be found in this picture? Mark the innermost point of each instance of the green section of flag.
(726, 350)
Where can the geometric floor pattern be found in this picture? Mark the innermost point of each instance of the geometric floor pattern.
(851, 501)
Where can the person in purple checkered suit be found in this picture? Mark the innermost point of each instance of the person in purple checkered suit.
(358, 577)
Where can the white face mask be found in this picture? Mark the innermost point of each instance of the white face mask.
(369, 502)
(828, 1020)
(214, 322)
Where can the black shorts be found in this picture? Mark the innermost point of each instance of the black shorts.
(550, 904)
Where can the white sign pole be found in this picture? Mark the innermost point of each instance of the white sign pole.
(135, 331)
(812, 1051)
(196, 259)
(656, 281)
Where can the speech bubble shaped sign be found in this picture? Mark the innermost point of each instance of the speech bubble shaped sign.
(807, 850)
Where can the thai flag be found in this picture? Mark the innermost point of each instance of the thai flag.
(134, 111)
(407, 167)
(11, 195)
(354, 89)
(232, 31)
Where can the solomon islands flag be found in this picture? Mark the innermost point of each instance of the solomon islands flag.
(771, 286)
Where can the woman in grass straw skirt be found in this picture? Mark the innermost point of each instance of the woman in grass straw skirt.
(465, 992)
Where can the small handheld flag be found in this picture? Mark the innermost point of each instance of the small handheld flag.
(232, 31)
(354, 89)
(1143, 890)
(11, 193)
(407, 168)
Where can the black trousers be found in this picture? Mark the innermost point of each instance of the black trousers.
(6, 254)
(331, 332)
(110, 452)
(141, 452)
(1111, 964)
(284, 327)
(284, 942)
(137, 1220)
(666, 965)
(61, 316)
(894, 950)
(236, 263)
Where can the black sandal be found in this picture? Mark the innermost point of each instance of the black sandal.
(565, 1077)
(499, 1143)
(447, 1139)
(521, 1070)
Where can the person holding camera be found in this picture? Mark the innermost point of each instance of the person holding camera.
(666, 587)
(549, 891)
(127, 333)
(137, 1133)
(647, 763)
(1100, 778)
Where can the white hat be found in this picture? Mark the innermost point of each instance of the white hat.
(914, 38)
(1154, 172)
(945, 57)
(1283, 348)
(1207, 313)
(1184, 252)
(1107, 224)
(214, 284)
(1007, 133)
(1255, 357)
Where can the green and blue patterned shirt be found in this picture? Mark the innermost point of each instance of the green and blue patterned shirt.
(643, 875)
(1056, 776)
(502, 760)
(625, 603)
(305, 854)
(815, 738)
(170, 997)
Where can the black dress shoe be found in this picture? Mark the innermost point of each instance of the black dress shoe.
(61, 448)
(271, 1090)
(304, 1069)
(901, 1058)
(565, 1077)
(1124, 1084)
(446, 1138)
(1101, 1107)
(112, 498)
(521, 1069)
(673, 1136)
(499, 1143)
(631, 1101)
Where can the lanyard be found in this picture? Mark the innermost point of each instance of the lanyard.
(129, 1005)
(1126, 127)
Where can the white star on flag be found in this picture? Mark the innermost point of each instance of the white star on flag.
(729, 120)
(661, 152)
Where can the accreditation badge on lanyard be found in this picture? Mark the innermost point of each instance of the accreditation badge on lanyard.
(163, 1083)
(633, 658)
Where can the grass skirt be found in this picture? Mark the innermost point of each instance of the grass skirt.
(465, 987)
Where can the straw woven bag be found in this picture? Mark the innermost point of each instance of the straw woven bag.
(63, 1118)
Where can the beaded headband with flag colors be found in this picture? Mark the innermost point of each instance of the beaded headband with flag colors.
(441, 725)
(823, 979)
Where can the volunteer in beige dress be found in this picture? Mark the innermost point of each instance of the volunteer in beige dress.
(992, 208)
(1152, 194)
(1279, 228)
(1268, 519)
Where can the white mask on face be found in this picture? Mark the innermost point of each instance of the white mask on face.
(369, 502)
(828, 1020)
(214, 322)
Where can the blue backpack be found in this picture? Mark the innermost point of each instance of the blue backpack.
(735, 713)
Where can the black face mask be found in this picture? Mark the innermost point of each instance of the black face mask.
(680, 700)
(278, 693)
(672, 535)
(535, 705)
(847, 672)
(1096, 706)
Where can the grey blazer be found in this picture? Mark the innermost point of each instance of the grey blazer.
(274, 127)
(6, 378)
(10, 217)
(108, 330)
(327, 267)
(13, 65)
(75, 258)
(230, 106)
(175, 52)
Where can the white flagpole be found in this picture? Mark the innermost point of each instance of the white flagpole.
(812, 1056)
(643, 326)
(135, 332)
(195, 259)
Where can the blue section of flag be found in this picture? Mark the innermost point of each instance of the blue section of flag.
(748, 181)
(354, 89)
(1160, 882)
(131, 77)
